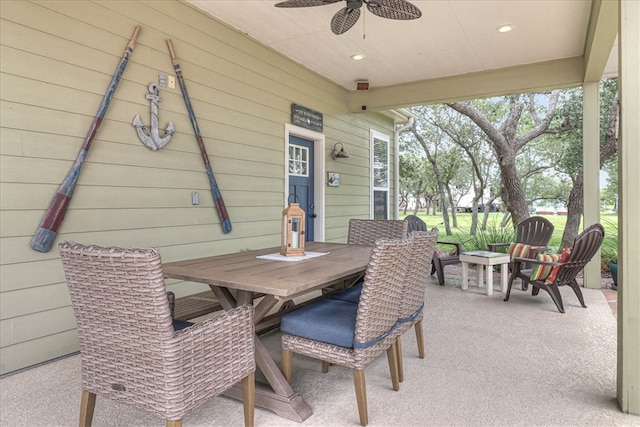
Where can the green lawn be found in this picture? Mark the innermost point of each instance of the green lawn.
(494, 234)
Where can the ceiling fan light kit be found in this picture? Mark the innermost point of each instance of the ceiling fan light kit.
(346, 18)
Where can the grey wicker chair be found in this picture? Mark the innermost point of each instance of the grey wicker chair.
(367, 231)
(351, 335)
(441, 258)
(411, 312)
(129, 350)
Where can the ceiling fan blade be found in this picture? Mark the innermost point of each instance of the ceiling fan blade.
(394, 9)
(304, 3)
(344, 19)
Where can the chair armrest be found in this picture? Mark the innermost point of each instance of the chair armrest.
(222, 346)
(237, 322)
(520, 264)
(535, 261)
(535, 250)
(457, 245)
(493, 246)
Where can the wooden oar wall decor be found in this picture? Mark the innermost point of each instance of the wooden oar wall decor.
(225, 221)
(53, 216)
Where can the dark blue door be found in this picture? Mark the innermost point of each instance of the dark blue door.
(301, 179)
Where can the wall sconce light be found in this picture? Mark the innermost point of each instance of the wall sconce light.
(335, 154)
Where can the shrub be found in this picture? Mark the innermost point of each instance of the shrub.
(493, 234)
(609, 248)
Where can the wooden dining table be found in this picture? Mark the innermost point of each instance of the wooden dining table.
(277, 281)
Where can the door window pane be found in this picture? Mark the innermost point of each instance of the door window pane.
(298, 160)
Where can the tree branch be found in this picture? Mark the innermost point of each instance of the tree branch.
(543, 125)
(466, 108)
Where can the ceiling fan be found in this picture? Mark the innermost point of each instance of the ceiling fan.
(345, 18)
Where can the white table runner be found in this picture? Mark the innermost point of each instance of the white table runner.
(280, 257)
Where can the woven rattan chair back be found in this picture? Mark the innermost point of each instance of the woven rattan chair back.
(421, 250)
(382, 291)
(376, 319)
(129, 350)
(367, 231)
(411, 313)
(118, 290)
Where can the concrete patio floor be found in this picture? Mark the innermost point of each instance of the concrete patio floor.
(488, 363)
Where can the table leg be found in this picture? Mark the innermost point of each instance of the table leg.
(465, 275)
(489, 269)
(277, 395)
(504, 272)
(480, 273)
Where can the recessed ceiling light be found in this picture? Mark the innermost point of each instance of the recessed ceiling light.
(505, 28)
(357, 57)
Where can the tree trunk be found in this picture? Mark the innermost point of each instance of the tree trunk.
(439, 181)
(575, 208)
(512, 189)
(474, 221)
(575, 204)
(454, 218)
(487, 212)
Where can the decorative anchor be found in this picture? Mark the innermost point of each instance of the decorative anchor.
(150, 136)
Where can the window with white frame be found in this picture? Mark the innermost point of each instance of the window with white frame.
(298, 160)
(379, 175)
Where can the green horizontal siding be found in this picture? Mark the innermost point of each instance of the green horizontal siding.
(57, 61)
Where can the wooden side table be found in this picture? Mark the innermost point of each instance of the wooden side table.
(485, 261)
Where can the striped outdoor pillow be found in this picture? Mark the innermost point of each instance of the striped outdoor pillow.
(540, 271)
(564, 257)
(519, 250)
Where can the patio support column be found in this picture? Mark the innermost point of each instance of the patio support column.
(629, 208)
(591, 171)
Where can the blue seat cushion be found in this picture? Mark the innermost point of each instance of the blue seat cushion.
(330, 321)
(181, 324)
(351, 294)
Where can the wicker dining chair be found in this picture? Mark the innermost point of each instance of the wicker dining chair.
(129, 350)
(585, 246)
(411, 310)
(441, 258)
(367, 231)
(353, 335)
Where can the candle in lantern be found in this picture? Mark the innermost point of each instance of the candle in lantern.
(295, 238)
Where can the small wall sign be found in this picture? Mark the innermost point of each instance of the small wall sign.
(333, 179)
(306, 118)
